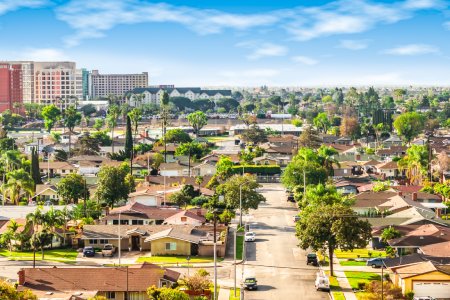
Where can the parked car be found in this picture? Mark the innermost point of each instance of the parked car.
(88, 251)
(376, 262)
(250, 236)
(250, 283)
(311, 258)
(296, 218)
(108, 250)
(290, 197)
(424, 298)
(322, 282)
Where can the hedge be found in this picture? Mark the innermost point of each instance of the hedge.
(257, 169)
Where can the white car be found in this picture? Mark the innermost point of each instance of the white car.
(250, 236)
(322, 282)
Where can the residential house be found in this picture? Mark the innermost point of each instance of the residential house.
(345, 140)
(393, 140)
(346, 169)
(391, 152)
(139, 214)
(152, 195)
(214, 158)
(350, 185)
(118, 283)
(426, 279)
(56, 168)
(370, 166)
(169, 181)
(203, 169)
(389, 170)
(46, 192)
(186, 217)
(437, 249)
(174, 169)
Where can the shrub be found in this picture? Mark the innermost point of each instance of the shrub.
(23, 203)
(409, 295)
(254, 169)
(361, 285)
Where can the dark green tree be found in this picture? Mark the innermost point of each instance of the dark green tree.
(51, 115)
(409, 125)
(231, 192)
(35, 173)
(332, 227)
(176, 136)
(128, 139)
(72, 187)
(197, 120)
(112, 186)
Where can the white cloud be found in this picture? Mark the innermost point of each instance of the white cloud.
(305, 60)
(412, 49)
(10, 5)
(46, 54)
(353, 44)
(260, 50)
(91, 19)
(446, 25)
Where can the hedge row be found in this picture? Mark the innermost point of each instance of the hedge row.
(257, 169)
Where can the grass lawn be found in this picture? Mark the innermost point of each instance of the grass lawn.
(323, 260)
(215, 139)
(355, 277)
(360, 252)
(59, 255)
(338, 296)
(176, 260)
(239, 246)
(238, 294)
(351, 263)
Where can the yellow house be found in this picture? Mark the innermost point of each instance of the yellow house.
(424, 279)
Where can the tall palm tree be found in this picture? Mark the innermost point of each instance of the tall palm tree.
(111, 119)
(35, 219)
(135, 115)
(164, 103)
(53, 219)
(327, 158)
(18, 181)
(415, 163)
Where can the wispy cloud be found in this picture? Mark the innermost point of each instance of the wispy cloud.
(305, 60)
(260, 50)
(11, 5)
(92, 19)
(353, 44)
(412, 49)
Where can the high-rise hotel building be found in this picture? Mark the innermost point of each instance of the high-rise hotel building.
(103, 85)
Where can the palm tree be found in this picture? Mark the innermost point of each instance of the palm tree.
(135, 115)
(53, 219)
(111, 118)
(35, 219)
(11, 160)
(72, 118)
(164, 119)
(327, 158)
(199, 180)
(18, 181)
(415, 162)
(11, 234)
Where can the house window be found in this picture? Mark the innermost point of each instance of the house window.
(93, 242)
(110, 295)
(137, 222)
(103, 242)
(183, 219)
(171, 246)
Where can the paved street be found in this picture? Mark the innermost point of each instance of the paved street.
(276, 261)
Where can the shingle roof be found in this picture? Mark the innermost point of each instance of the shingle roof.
(421, 268)
(179, 233)
(112, 231)
(188, 214)
(135, 279)
(56, 165)
(438, 249)
(413, 259)
(422, 235)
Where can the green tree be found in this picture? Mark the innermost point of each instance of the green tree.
(72, 187)
(51, 115)
(9, 292)
(415, 162)
(136, 116)
(231, 192)
(10, 234)
(111, 186)
(111, 120)
(128, 140)
(197, 120)
(35, 172)
(327, 158)
(322, 122)
(87, 145)
(17, 181)
(254, 135)
(98, 124)
(164, 293)
(409, 125)
(223, 167)
(334, 227)
(390, 233)
(176, 136)
(72, 118)
(192, 150)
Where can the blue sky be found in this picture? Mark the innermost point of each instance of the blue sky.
(238, 42)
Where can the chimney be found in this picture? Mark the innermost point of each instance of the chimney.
(400, 193)
(21, 274)
(414, 196)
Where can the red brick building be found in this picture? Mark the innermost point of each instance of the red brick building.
(10, 86)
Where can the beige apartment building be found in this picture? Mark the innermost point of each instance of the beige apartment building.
(103, 85)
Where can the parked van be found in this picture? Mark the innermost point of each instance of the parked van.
(322, 282)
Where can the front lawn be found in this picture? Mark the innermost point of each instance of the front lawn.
(355, 277)
(239, 246)
(352, 263)
(238, 294)
(359, 253)
(174, 260)
(338, 296)
(59, 255)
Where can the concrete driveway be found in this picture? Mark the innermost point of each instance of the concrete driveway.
(274, 258)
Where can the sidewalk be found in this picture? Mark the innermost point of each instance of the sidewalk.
(224, 293)
(343, 281)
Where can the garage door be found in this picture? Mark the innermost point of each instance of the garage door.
(433, 289)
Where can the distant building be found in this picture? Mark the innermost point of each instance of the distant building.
(11, 89)
(103, 85)
(152, 95)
